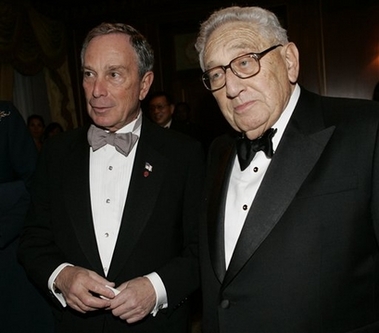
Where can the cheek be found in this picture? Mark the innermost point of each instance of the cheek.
(224, 105)
(277, 97)
(273, 89)
(87, 88)
(229, 116)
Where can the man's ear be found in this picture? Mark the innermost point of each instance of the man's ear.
(146, 83)
(292, 61)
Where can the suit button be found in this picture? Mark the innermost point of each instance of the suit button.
(225, 304)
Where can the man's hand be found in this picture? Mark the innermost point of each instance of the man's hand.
(135, 301)
(81, 289)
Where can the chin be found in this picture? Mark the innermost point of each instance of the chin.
(100, 120)
(101, 123)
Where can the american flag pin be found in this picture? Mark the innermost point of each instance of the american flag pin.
(148, 169)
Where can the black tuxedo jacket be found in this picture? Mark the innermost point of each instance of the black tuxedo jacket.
(18, 156)
(307, 259)
(22, 309)
(158, 230)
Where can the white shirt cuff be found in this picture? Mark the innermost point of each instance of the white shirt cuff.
(51, 285)
(160, 292)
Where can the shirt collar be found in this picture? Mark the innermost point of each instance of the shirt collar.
(284, 118)
(168, 125)
(134, 126)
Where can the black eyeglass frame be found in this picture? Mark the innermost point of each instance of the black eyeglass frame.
(256, 56)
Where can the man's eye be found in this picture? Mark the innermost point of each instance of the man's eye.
(88, 76)
(245, 63)
(114, 75)
(214, 76)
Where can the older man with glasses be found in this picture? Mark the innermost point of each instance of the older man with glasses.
(290, 225)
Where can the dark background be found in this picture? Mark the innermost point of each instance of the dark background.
(338, 42)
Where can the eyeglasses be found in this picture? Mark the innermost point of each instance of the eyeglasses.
(159, 107)
(244, 66)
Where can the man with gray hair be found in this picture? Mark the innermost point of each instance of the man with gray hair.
(290, 226)
(112, 231)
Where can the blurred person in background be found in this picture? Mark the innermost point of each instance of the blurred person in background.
(22, 308)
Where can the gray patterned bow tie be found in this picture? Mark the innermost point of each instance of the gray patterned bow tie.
(123, 142)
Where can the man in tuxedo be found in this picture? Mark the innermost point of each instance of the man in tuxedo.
(161, 109)
(289, 235)
(112, 231)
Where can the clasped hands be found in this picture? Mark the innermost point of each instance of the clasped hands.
(82, 289)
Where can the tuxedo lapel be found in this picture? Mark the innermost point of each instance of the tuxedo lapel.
(295, 157)
(76, 189)
(142, 195)
(216, 208)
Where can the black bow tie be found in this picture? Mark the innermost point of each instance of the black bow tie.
(123, 142)
(246, 148)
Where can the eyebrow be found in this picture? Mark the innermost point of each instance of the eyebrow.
(115, 67)
(110, 67)
(239, 46)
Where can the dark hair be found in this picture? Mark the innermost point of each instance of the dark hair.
(182, 111)
(35, 116)
(50, 128)
(161, 93)
(139, 43)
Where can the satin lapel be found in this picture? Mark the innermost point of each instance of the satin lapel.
(291, 164)
(216, 208)
(77, 196)
(143, 192)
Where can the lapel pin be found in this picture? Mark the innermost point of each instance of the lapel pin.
(148, 169)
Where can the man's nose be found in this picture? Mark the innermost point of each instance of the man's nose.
(99, 88)
(233, 84)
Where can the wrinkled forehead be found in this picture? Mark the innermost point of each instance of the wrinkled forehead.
(231, 40)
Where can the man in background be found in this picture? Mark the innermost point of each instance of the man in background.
(161, 108)
(164, 112)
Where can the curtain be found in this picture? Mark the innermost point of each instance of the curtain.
(31, 43)
(30, 95)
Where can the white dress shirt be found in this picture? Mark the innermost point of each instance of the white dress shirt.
(110, 174)
(243, 185)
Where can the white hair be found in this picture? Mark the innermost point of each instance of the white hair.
(265, 22)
